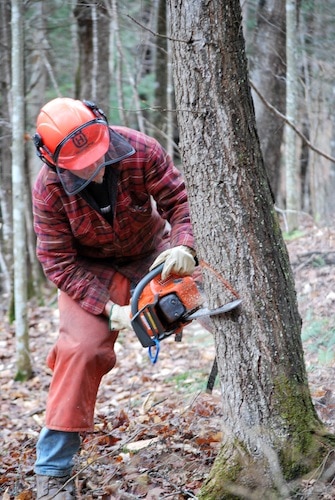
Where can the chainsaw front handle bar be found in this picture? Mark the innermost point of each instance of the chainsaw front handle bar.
(136, 322)
(141, 285)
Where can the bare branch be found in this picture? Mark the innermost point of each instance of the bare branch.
(290, 124)
(158, 34)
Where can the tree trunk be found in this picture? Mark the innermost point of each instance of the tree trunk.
(93, 79)
(331, 185)
(35, 92)
(293, 191)
(6, 229)
(159, 115)
(268, 75)
(271, 430)
(316, 35)
(124, 69)
(36, 85)
(164, 117)
(24, 370)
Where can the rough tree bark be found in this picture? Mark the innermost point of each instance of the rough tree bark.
(272, 433)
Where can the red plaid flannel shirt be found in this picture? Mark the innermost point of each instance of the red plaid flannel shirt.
(80, 251)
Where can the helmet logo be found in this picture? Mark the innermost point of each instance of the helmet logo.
(79, 139)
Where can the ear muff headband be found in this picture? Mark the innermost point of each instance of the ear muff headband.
(95, 109)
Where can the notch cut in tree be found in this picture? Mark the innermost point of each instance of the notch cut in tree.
(272, 433)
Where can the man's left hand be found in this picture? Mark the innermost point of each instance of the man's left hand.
(179, 260)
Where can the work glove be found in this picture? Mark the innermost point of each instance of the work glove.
(178, 260)
(119, 318)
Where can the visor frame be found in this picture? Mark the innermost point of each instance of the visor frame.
(69, 179)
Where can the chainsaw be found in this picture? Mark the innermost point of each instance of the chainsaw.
(160, 308)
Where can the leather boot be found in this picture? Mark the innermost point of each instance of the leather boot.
(47, 487)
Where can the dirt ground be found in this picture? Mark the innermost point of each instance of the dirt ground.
(157, 430)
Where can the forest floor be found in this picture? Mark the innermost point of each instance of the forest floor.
(157, 430)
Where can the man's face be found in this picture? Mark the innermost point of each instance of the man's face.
(87, 172)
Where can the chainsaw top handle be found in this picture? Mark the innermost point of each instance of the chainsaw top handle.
(137, 325)
(141, 285)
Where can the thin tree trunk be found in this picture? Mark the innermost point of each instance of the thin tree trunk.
(170, 104)
(159, 116)
(35, 93)
(24, 370)
(6, 230)
(268, 75)
(93, 79)
(293, 192)
(115, 64)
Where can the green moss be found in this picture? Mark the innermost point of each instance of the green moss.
(299, 438)
(11, 311)
(22, 376)
(225, 471)
(298, 417)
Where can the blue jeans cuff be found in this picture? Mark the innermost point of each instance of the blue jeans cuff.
(55, 451)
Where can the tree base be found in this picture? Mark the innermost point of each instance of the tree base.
(238, 475)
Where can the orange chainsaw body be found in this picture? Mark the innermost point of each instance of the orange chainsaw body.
(185, 288)
(162, 307)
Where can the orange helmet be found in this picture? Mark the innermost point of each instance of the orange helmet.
(71, 134)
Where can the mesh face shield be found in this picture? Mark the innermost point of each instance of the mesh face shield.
(94, 144)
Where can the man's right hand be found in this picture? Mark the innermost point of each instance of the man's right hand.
(119, 317)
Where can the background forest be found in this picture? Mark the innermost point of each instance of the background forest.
(118, 55)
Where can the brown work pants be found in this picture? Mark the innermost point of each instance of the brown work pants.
(83, 353)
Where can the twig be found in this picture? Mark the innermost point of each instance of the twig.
(313, 256)
(317, 252)
(290, 124)
(288, 211)
(159, 35)
(282, 212)
(177, 488)
(182, 491)
(303, 264)
(157, 129)
(321, 472)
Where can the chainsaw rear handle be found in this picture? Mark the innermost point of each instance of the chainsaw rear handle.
(136, 323)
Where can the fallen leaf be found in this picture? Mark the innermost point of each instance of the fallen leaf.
(139, 445)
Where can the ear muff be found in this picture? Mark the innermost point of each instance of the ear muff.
(38, 143)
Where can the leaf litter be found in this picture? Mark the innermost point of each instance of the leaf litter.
(157, 432)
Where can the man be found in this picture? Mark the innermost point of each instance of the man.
(108, 205)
